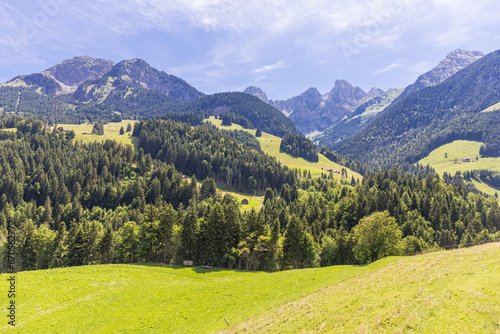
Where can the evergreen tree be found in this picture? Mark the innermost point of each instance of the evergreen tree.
(59, 257)
(106, 245)
(212, 238)
(188, 233)
(130, 239)
(27, 246)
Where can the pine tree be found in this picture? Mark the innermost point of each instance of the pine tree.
(59, 257)
(122, 131)
(188, 233)
(106, 245)
(166, 224)
(28, 252)
(212, 239)
(293, 252)
(258, 133)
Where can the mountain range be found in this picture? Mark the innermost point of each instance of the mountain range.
(312, 111)
(92, 89)
(377, 126)
(410, 128)
(337, 114)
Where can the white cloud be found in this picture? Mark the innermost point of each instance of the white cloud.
(267, 68)
(388, 68)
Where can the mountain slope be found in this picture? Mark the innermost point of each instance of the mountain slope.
(311, 111)
(441, 292)
(136, 73)
(259, 113)
(65, 77)
(256, 91)
(455, 61)
(358, 119)
(409, 129)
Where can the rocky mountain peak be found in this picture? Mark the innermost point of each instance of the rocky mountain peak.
(455, 61)
(374, 92)
(74, 71)
(344, 92)
(138, 73)
(256, 91)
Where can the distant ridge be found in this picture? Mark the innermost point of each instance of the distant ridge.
(432, 116)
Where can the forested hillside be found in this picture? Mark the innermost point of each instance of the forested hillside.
(411, 128)
(299, 146)
(70, 203)
(208, 152)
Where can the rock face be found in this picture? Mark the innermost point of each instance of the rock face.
(64, 78)
(454, 62)
(256, 91)
(311, 111)
(73, 72)
(136, 73)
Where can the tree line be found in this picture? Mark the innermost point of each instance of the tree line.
(79, 203)
(299, 146)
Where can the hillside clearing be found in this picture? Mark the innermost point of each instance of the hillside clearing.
(111, 131)
(271, 145)
(448, 292)
(452, 163)
(159, 299)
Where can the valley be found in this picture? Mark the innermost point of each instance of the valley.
(116, 177)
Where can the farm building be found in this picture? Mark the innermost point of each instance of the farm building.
(244, 201)
(466, 160)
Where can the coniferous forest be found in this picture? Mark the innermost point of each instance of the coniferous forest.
(75, 203)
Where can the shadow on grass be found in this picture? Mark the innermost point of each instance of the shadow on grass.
(196, 269)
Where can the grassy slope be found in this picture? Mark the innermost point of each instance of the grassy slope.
(456, 151)
(445, 292)
(271, 145)
(492, 108)
(158, 299)
(387, 99)
(111, 131)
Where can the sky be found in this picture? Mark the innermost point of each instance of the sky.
(283, 47)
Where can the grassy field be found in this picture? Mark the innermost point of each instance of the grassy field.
(271, 145)
(158, 299)
(254, 201)
(457, 150)
(111, 131)
(445, 292)
(449, 292)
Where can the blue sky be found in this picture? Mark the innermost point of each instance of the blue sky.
(283, 47)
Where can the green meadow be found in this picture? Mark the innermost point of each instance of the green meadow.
(271, 145)
(444, 292)
(449, 291)
(111, 131)
(158, 299)
(448, 158)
